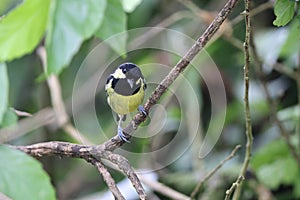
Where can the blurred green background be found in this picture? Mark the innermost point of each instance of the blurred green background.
(273, 171)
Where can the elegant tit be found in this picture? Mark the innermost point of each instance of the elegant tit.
(125, 90)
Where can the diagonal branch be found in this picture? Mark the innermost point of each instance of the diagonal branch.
(94, 154)
(126, 168)
(200, 43)
(107, 178)
(213, 171)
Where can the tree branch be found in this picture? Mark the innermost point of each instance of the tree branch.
(248, 127)
(94, 154)
(213, 171)
(233, 186)
(115, 142)
(107, 178)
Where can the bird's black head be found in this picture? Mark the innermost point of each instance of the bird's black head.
(131, 70)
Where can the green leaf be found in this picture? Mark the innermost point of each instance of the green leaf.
(71, 22)
(296, 189)
(284, 11)
(114, 23)
(282, 171)
(130, 5)
(4, 90)
(292, 43)
(271, 152)
(9, 118)
(22, 177)
(22, 29)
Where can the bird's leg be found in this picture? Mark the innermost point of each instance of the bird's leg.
(121, 135)
(142, 110)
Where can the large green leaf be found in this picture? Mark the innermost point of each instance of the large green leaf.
(270, 153)
(114, 23)
(3, 90)
(71, 22)
(282, 171)
(284, 11)
(22, 29)
(22, 177)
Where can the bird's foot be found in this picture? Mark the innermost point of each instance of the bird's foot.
(142, 110)
(121, 135)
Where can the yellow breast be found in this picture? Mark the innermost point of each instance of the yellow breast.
(124, 104)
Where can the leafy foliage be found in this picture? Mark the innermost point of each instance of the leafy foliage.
(274, 165)
(71, 22)
(70, 30)
(22, 29)
(114, 23)
(22, 177)
(284, 11)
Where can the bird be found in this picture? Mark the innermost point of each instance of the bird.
(125, 89)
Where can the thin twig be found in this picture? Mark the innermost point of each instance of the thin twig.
(115, 142)
(22, 113)
(61, 115)
(285, 70)
(41, 118)
(86, 152)
(170, 20)
(248, 127)
(233, 186)
(55, 91)
(163, 189)
(213, 171)
(102, 151)
(4, 197)
(107, 178)
(126, 168)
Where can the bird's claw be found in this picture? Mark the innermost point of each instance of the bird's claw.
(142, 110)
(122, 136)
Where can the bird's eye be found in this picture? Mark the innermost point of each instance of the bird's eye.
(124, 70)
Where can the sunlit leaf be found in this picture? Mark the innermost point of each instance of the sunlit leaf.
(130, 5)
(22, 29)
(284, 11)
(114, 23)
(4, 90)
(22, 177)
(71, 22)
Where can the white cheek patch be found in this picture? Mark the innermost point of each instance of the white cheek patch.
(109, 84)
(119, 74)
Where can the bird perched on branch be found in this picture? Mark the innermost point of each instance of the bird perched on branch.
(125, 90)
